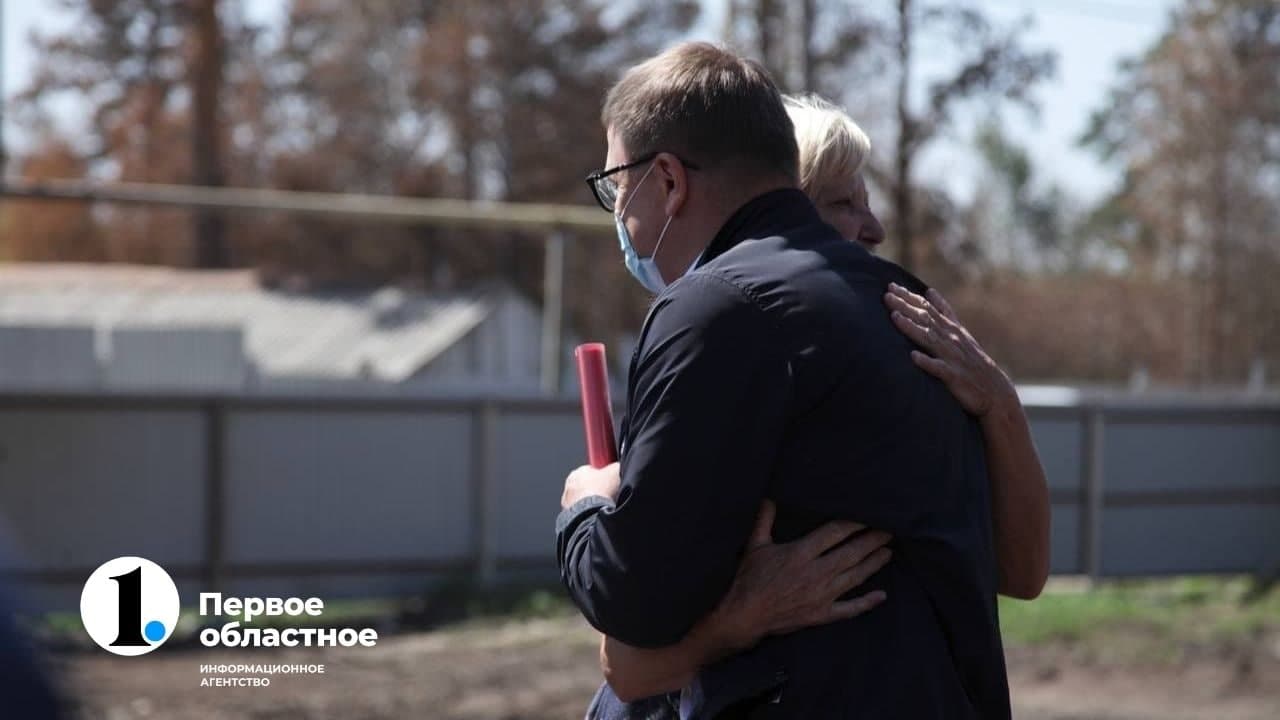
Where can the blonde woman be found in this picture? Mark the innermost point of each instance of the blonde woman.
(780, 588)
(833, 151)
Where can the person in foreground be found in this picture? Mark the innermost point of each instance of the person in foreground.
(27, 690)
(771, 370)
(782, 587)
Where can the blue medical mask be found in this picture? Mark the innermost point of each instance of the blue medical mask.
(643, 269)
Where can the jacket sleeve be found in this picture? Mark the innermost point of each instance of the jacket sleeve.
(706, 407)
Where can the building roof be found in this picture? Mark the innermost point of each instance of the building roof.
(384, 334)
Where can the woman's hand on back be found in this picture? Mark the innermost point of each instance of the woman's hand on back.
(952, 356)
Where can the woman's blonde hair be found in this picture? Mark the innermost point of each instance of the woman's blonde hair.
(832, 146)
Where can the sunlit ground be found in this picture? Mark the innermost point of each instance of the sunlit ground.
(1181, 648)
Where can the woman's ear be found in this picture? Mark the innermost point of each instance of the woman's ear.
(675, 183)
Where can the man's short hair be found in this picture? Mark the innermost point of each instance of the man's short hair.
(708, 105)
(832, 146)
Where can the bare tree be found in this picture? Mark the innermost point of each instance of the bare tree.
(150, 73)
(206, 70)
(993, 65)
(848, 53)
(1195, 125)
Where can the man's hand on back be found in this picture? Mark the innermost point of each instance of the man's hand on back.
(587, 481)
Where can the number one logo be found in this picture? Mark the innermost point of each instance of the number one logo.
(130, 633)
(129, 606)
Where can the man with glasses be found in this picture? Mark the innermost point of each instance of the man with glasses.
(605, 186)
(767, 368)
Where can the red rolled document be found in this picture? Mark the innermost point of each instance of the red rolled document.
(597, 411)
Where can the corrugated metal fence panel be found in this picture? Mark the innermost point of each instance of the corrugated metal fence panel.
(82, 486)
(1180, 452)
(1060, 440)
(320, 486)
(536, 450)
(1191, 492)
(1138, 541)
(341, 495)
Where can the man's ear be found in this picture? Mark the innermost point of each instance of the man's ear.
(675, 183)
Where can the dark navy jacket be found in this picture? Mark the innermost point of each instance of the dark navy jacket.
(773, 370)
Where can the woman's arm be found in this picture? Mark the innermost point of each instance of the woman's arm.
(778, 588)
(1020, 500)
(1019, 492)
(636, 673)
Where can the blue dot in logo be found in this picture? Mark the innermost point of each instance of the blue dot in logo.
(154, 631)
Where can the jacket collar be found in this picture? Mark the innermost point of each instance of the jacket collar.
(761, 216)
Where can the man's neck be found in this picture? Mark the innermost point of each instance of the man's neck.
(698, 232)
(743, 194)
(739, 194)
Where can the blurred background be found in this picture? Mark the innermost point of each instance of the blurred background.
(293, 285)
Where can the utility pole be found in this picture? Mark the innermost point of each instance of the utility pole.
(4, 157)
(552, 311)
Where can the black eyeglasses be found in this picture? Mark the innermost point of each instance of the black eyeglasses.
(605, 188)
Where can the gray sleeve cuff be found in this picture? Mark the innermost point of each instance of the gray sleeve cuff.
(575, 513)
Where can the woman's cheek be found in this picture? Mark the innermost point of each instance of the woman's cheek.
(844, 220)
(849, 226)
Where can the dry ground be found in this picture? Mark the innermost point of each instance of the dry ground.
(545, 668)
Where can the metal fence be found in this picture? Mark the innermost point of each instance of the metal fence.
(379, 495)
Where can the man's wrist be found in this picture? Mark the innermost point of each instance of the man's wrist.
(579, 510)
(572, 498)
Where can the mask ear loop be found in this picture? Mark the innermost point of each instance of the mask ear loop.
(634, 189)
(661, 237)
